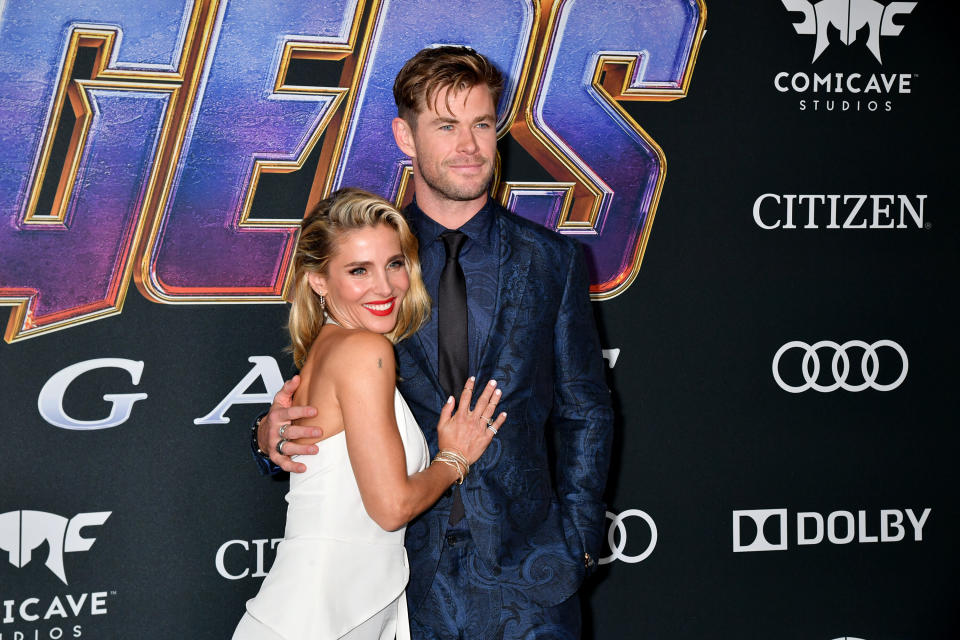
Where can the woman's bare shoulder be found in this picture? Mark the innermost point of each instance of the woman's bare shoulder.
(354, 349)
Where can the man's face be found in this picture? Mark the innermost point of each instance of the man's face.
(453, 145)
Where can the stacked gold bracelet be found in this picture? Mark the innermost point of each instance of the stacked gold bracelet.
(455, 459)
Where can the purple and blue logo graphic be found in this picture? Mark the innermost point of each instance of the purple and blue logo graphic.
(185, 106)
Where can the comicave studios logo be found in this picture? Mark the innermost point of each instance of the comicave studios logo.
(855, 20)
(22, 533)
(767, 529)
(842, 371)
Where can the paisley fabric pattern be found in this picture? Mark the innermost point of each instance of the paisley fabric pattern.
(528, 530)
(467, 601)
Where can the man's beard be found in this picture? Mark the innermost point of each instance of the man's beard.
(454, 191)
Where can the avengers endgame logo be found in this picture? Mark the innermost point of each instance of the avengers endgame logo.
(867, 22)
(135, 136)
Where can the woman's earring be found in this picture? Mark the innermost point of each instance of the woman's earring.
(323, 301)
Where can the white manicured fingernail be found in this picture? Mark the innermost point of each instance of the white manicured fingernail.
(497, 392)
(450, 399)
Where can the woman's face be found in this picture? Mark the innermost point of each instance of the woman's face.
(366, 279)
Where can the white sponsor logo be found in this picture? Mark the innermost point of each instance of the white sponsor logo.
(617, 537)
(839, 527)
(846, 91)
(840, 366)
(834, 211)
(35, 609)
(874, 84)
(759, 518)
(238, 559)
(848, 17)
(23, 531)
(611, 356)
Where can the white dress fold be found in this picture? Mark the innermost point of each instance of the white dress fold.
(336, 568)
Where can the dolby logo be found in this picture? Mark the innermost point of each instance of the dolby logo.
(769, 529)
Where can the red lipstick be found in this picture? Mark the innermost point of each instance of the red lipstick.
(389, 302)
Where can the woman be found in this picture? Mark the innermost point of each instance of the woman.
(341, 570)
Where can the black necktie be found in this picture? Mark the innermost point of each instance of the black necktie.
(452, 318)
(452, 333)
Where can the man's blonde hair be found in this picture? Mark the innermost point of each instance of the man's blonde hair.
(447, 67)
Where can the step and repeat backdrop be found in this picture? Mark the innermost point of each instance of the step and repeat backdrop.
(764, 199)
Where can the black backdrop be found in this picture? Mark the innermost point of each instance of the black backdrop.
(705, 434)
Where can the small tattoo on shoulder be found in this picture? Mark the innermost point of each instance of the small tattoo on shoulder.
(379, 363)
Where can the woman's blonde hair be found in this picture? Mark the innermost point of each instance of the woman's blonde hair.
(346, 210)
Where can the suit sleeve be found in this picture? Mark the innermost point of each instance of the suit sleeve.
(582, 417)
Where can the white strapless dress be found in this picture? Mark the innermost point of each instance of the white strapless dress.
(336, 568)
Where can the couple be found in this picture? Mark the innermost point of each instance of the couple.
(502, 554)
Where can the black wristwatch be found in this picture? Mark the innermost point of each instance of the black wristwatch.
(265, 465)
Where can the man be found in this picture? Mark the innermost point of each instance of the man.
(502, 555)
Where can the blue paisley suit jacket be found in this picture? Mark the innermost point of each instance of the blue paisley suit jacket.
(531, 529)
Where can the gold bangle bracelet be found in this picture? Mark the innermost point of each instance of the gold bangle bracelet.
(452, 464)
(453, 454)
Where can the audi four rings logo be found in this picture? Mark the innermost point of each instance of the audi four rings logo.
(840, 366)
(617, 547)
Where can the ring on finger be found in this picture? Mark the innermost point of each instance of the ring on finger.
(280, 444)
(283, 429)
(492, 428)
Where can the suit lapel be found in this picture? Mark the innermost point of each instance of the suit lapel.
(516, 251)
(418, 353)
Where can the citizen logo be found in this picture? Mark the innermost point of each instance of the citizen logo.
(617, 536)
(835, 211)
(767, 529)
(848, 17)
(23, 531)
(238, 559)
(838, 375)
